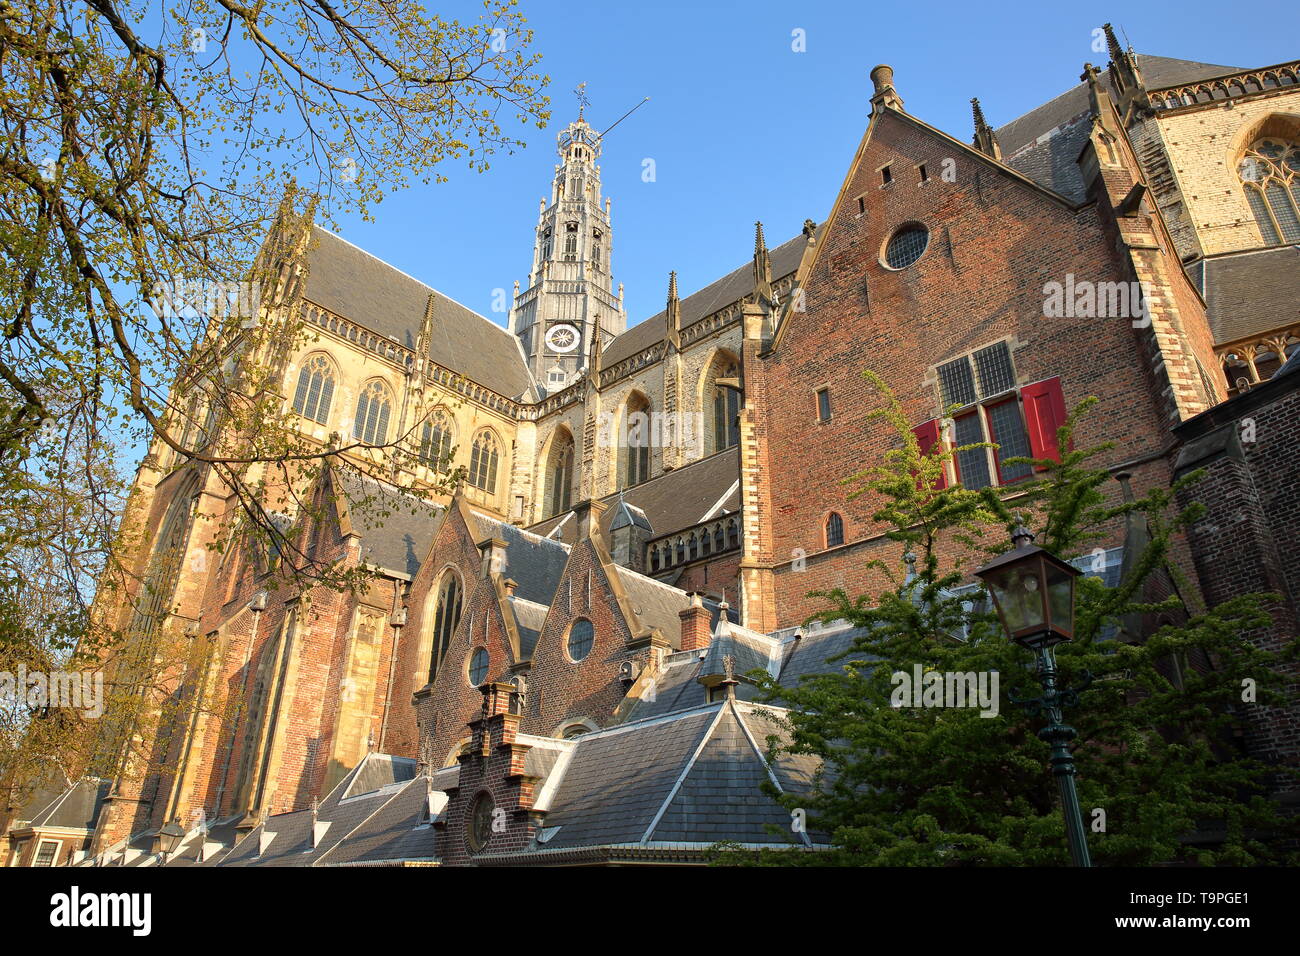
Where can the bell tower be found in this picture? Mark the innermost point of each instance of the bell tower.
(570, 301)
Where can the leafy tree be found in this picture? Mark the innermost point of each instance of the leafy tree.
(159, 168)
(909, 786)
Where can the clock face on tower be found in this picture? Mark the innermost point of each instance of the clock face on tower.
(561, 338)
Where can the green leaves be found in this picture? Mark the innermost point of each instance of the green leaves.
(1161, 776)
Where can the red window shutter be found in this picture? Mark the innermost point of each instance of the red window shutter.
(927, 436)
(1044, 414)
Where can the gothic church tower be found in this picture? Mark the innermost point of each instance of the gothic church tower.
(569, 302)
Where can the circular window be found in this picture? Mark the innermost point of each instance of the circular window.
(581, 636)
(906, 246)
(478, 666)
(479, 831)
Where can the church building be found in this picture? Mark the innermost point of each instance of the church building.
(549, 663)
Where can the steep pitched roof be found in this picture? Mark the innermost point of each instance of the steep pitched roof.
(396, 527)
(654, 603)
(394, 832)
(76, 808)
(1039, 123)
(1250, 292)
(533, 561)
(1045, 143)
(719, 294)
(679, 782)
(352, 283)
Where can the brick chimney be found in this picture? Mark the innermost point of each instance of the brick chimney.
(695, 625)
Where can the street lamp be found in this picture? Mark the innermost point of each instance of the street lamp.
(1033, 591)
(168, 838)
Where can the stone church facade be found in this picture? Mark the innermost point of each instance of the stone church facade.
(644, 510)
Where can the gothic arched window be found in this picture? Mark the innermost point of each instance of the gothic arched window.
(724, 402)
(374, 407)
(483, 462)
(315, 389)
(571, 241)
(559, 473)
(445, 620)
(1270, 175)
(436, 440)
(636, 444)
(546, 244)
(834, 530)
(595, 247)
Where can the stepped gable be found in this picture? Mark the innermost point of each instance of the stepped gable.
(350, 282)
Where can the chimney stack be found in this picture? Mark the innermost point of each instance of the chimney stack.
(695, 625)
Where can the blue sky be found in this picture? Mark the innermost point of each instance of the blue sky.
(741, 127)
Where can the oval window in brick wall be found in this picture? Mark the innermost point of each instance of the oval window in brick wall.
(906, 245)
(478, 666)
(581, 636)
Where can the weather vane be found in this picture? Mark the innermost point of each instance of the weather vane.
(581, 93)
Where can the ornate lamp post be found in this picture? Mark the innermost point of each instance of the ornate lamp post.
(1033, 591)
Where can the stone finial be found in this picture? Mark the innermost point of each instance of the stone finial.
(674, 310)
(809, 229)
(762, 265)
(986, 140)
(1112, 43)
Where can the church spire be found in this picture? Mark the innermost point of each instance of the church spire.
(570, 302)
(986, 141)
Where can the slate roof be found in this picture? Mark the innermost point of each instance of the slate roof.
(691, 778)
(732, 287)
(396, 527)
(375, 772)
(352, 283)
(618, 779)
(534, 562)
(748, 649)
(672, 501)
(808, 653)
(1249, 293)
(655, 604)
(369, 787)
(1157, 72)
(529, 618)
(76, 808)
(1045, 143)
(394, 832)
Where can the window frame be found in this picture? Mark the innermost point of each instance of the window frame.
(487, 665)
(375, 393)
(41, 844)
(324, 404)
(834, 521)
(568, 640)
